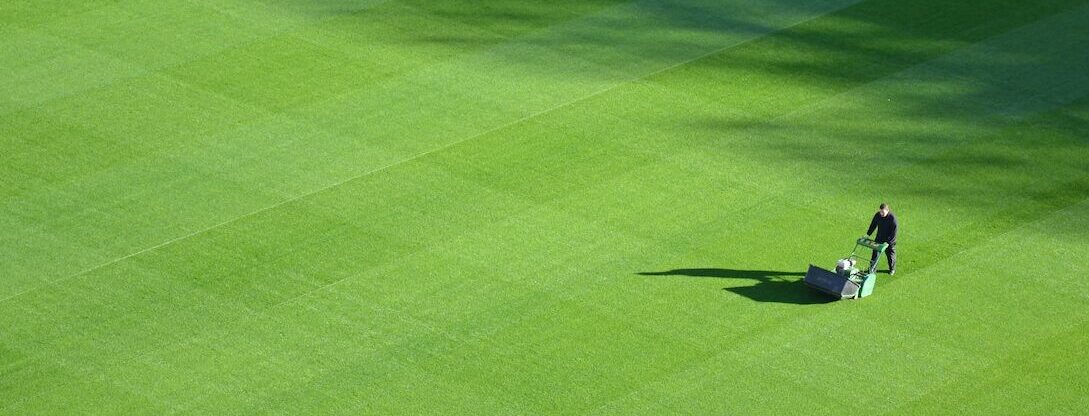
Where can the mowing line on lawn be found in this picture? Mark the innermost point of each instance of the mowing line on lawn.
(411, 158)
(268, 313)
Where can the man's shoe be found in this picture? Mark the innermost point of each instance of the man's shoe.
(892, 272)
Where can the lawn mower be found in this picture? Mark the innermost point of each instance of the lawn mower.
(848, 282)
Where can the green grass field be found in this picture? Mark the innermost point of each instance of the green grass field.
(566, 207)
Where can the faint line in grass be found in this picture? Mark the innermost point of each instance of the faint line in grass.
(608, 88)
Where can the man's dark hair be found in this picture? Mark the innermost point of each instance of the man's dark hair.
(883, 206)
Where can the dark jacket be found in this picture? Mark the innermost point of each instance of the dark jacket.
(886, 228)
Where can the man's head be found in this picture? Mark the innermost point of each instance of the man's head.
(883, 209)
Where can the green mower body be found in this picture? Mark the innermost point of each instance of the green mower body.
(850, 283)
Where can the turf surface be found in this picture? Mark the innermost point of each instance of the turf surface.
(594, 206)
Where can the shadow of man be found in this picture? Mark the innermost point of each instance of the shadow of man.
(771, 286)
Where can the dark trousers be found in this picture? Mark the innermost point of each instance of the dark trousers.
(890, 254)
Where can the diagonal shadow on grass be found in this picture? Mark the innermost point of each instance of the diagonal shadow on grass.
(771, 286)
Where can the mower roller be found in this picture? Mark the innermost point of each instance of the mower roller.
(848, 282)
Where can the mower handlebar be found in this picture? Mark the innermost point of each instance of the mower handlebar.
(865, 241)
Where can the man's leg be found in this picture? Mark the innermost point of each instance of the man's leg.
(890, 253)
(873, 262)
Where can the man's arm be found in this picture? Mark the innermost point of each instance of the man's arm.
(873, 225)
(892, 231)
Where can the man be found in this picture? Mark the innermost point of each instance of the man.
(885, 223)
